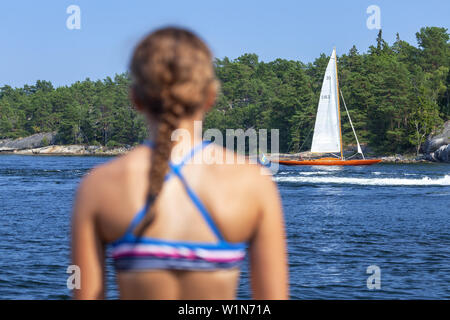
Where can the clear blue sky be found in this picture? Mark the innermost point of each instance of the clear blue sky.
(35, 43)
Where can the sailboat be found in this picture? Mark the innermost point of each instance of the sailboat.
(327, 136)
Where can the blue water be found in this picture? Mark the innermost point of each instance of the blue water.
(339, 221)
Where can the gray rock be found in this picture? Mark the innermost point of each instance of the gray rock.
(442, 154)
(93, 148)
(34, 141)
(433, 143)
(420, 157)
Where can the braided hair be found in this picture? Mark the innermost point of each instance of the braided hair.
(172, 74)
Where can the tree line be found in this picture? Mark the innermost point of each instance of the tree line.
(396, 94)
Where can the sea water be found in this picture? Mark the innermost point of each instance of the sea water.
(341, 223)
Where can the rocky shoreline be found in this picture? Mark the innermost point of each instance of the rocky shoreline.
(70, 150)
(44, 144)
(435, 149)
(82, 150)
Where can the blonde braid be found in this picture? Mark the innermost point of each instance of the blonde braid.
(172, 72)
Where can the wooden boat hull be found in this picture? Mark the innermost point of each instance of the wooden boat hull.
(328, 162)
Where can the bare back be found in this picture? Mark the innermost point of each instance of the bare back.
(244, 205)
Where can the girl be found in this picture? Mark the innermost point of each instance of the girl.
(178, 228)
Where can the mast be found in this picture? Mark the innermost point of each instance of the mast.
(339, 106)
(351, 123)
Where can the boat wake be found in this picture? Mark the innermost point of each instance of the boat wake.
(425, 181)
(313, 173)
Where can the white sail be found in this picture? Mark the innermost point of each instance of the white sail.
(327, 128)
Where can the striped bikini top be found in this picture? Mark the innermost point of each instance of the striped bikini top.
(133, 253)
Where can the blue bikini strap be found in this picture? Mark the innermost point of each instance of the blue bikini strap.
(176, 169)
(187, 157)
(191, 154)
(138, 217)
(197, 202)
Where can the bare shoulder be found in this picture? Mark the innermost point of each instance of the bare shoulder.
(102, 179)
(99, 175)
(90, 187)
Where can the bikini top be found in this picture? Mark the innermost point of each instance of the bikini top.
(133, 253)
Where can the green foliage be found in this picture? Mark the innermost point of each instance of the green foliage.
(45, 142)
(87, 112)
(390, 92)
(435, 47)
(396, 95)
(112, 144)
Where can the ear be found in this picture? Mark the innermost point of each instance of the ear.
(137, 104)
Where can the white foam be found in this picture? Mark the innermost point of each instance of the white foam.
(313, 173)
(425, 181)
(387, 173)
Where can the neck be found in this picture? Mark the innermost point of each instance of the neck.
(189, 132)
